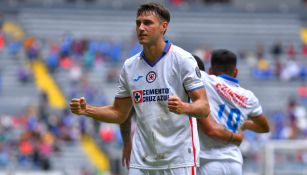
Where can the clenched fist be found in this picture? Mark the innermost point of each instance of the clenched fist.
(78, 106)
(176, 105)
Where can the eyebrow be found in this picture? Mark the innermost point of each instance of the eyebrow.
(144, 20)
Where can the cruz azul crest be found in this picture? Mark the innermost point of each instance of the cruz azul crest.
(151, 76)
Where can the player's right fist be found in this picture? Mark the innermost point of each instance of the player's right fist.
(78, 106)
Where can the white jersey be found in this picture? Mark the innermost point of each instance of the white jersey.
(162, 139)
(230, 106)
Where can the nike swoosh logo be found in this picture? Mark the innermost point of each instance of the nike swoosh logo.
(138, 78)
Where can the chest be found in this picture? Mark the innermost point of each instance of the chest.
(162, 75)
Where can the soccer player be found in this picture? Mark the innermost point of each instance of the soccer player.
(158, 82)
(209, 126)
(232, 106)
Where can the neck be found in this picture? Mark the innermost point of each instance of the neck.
(154, 51)
(220, 73)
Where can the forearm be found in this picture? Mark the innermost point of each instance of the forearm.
(199, 109)
(250, 125)
(104, 113)
(227, 136)
(217, 131)
(125, 130)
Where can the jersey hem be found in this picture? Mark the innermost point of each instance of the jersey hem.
(163, 167)
(226, 158)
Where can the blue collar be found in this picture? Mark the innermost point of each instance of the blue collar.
(165, 51)
(229, 78)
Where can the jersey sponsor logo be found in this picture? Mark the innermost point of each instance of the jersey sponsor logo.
(197, 71)
(232, 96)
(138, 96)
(137, 78)
(151, 95)
(151, 76)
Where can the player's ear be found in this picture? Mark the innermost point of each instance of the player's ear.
(235, 72)
(164, 26)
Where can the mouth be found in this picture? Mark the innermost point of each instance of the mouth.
(142, 35)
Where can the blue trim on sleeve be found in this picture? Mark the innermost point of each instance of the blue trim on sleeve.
(196, 88)
(229, 78)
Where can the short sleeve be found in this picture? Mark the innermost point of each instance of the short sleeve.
(123, 89)
(190, 74)
(256, 108)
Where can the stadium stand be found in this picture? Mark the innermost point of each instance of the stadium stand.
(218, 30)
(83, 45)
(15, 89)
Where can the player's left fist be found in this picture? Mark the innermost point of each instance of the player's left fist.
(176, 105)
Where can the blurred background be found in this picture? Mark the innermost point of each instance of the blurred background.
(54, 50)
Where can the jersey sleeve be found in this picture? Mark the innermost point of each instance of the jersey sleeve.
(256, 108)
(190, 74)
(123, 89)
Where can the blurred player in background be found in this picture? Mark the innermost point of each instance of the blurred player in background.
(231, 106)
(158, 82)
(211, 127)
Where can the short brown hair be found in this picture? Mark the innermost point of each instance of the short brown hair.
(155, 8)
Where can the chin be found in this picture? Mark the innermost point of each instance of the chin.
(142, 42)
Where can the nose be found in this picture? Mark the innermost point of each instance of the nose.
(140, 26)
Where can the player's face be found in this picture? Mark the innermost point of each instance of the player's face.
(149, 28)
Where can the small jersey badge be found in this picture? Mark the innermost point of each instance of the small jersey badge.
(197, 72)
(151, 76)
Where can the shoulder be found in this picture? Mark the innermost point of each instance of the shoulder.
(130, 61)
(209, 77)
(252, 99)
(204, 75)
(180, 53)
(247, 92)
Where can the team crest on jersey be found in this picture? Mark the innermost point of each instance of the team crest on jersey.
(197, 72)
(151, 76)
(138, 96)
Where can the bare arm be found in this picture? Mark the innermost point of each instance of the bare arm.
(258, 124)
(125, 129)
(217, 131)
(198, 108)
(116, 113)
